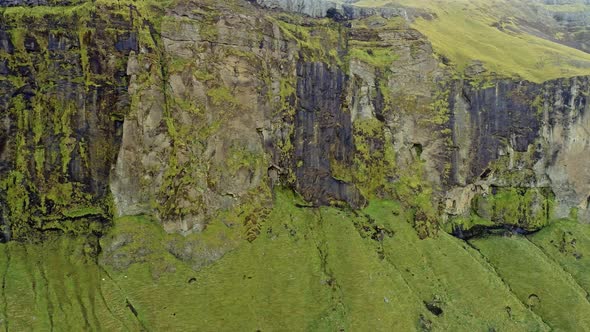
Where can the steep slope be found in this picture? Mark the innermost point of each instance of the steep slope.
(310, 269)
(58, 285)
(538, 282)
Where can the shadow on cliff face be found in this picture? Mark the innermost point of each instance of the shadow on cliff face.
(322, 130)
(56, 163)
(524, 137)
(479, 231)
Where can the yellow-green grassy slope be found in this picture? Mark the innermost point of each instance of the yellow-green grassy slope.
(547, 271)
(52, 287)
(539, 282)
(488, 31)
(309, 270)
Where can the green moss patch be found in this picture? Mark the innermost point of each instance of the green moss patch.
(378, 57)
(528, 208)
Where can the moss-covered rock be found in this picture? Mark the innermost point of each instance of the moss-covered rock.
(530, 209)
(64, 89)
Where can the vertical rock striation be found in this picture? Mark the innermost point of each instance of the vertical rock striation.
(64, 94)
(524, 135)
(323, 131)
(195, 112)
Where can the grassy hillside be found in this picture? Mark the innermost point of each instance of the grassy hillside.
(499, 34)
(54, 287)
(309, 270)
(538, 282)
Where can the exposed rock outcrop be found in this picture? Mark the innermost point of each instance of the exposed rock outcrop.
(323, 132)
(343, 9)
(64, 93)
(314, 8)
(524, 135)
(200, 114)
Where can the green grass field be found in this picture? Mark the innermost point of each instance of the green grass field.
(309, 270)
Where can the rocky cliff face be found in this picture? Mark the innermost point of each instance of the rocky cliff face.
(521, 142)
(64, 96)
(211, 129)
(194, 113)
(307, 7)
(323, 132)
(340, 10)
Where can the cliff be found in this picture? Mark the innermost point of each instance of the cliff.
(163, 137)
(197, 113)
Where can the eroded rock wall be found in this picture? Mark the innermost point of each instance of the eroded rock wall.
(194, 131)
(64, 94)
(525, 135)
(197, 111)
(323, 131)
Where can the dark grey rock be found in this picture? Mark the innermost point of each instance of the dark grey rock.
(322, 130)
(127, 42)
(5, 42)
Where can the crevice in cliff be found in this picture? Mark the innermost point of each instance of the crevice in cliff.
(480, 231)
(156, 37)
